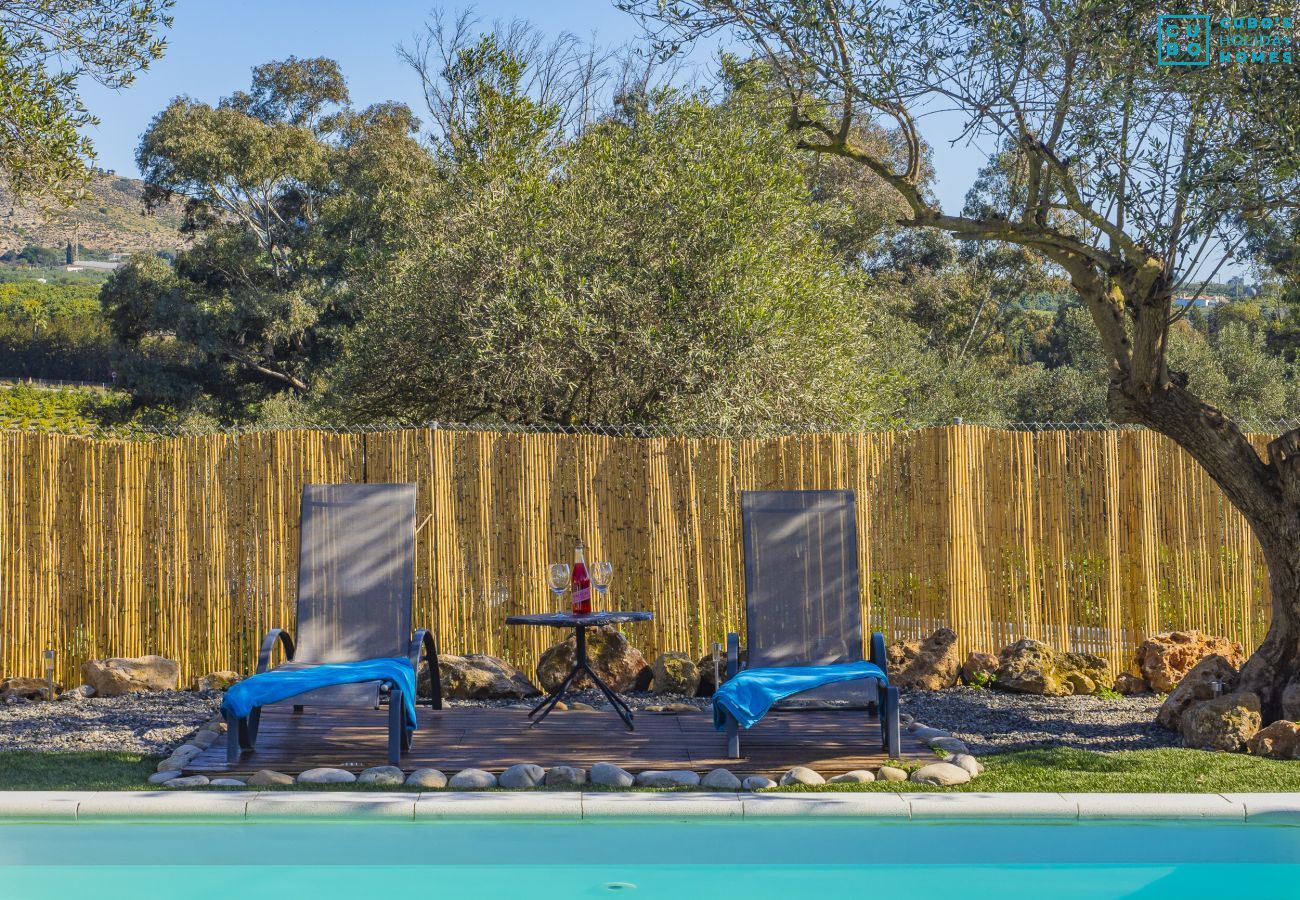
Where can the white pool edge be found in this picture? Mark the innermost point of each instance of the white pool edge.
(90, 806)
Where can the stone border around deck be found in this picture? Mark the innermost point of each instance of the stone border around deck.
(261, 806)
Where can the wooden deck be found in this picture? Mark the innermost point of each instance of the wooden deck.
(458, 738)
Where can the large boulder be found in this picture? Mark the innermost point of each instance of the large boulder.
(1083, 672)
(13, 689)
(477, 676)
(116, 676)
(674, 673)
(1225, 723)
(615, 660)
(1031, 667)
(979, 667)
(1196, 687)
(217, 681)
(1128, 684)
(928, 665)
(1166, 658)
(1281, 740)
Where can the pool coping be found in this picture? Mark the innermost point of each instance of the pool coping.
(262, 806)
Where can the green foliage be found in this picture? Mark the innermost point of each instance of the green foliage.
(983, 679)
(1105, 693)
(54, 331)
(665, 265)
(46, 47)
(40, 409)
(286, 191)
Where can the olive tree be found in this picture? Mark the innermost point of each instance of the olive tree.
(1137, 180)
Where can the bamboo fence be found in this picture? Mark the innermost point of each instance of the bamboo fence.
(186, 547)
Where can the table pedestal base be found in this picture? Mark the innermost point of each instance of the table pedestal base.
(582, 666)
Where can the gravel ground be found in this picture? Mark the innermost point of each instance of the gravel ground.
(991, 721)
(988, 721)
(152, 723)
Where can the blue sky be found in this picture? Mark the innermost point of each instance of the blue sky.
(215, 43)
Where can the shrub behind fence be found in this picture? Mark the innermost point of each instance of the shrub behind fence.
(187, 547)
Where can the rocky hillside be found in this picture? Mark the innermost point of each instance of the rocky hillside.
(111, 217)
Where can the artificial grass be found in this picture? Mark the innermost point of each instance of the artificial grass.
(1054, 770)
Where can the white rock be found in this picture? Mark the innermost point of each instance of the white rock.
(269, 778)
(857, 776)
(188, 781)
(523, 775)
(227, 782)
(426, 778)
(84, 692)
(610, 775)
(326, 775)
(801, 775)
(941, 773)
(562, 776)
(948, 744)
(389, 775)
(668, 778)
(721, 780)
(472, 780)
(928, 734)
(891, 773)
(967, 762)
(164, 776)
(758, 783)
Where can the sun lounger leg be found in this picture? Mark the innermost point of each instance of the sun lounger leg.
(396, 713)
(889, 723)
(232, 739)
(733, 737)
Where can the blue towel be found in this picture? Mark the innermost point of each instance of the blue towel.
(748, 695)
(281, 684)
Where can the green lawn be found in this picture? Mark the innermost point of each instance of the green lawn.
(1141, 771)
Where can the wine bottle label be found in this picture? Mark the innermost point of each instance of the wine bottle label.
(581, 595)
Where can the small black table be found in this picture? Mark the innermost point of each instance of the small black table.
(581, 665)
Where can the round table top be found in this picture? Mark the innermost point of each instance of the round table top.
(569, 620)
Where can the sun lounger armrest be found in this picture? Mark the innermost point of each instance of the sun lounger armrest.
(733, 654)
(268, 647)
(878, 654)
(423, 639)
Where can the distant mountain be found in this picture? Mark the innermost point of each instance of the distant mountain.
(110, 218)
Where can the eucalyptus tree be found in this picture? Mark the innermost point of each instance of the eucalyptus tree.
(1136, 179)
(288, 192)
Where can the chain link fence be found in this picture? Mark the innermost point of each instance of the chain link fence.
(135, 431)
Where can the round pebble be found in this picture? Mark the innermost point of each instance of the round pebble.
(523, 775)
(801, 775)
(758, 783)
(386, 775)
(565, 776)
(428, 779)
(857, 776)
(187, 781)
(472, 780)
(721, 780)
(269, 778)
(326, 775)
(610, 775)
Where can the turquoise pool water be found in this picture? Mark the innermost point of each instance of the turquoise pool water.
(682, 860)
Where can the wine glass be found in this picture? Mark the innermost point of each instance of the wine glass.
(557, 577)
(601, 572)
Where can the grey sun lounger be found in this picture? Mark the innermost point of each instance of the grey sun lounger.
(356, 580)
(803, 607)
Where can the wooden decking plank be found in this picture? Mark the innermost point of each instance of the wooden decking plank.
(492, 739)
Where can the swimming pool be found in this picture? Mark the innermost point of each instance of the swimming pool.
(777, 859)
